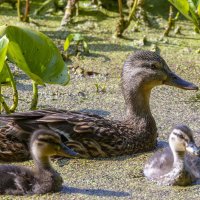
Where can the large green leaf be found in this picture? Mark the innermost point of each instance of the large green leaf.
(36, 55)
(4, 75)
(182, 6)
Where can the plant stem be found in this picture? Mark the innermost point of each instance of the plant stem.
(26, 13)
(123, 24)
(171, 21)
(69, 9)
(120, 8)
(42, 6)
(18, 10)
(0, 94)
(35, 96)
(5, 106)
(14, 88)
(132, 13)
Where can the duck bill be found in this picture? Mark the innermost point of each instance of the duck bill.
(193, 149)
(176, 81)
(66, 151)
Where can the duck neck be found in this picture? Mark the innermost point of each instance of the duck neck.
(178, 159)
(137, 105)
(42, 163)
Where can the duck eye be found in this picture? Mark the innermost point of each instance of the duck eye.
(154, 65)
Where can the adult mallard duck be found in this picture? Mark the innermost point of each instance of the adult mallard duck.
(175, 165)
(18, 180)
(91, 135)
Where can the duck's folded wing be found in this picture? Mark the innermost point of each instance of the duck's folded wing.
(88, 134)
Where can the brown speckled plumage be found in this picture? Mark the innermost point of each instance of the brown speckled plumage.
(92, 135)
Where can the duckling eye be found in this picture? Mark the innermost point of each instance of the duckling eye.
(181, 136)
(58, 147)
(40, 144)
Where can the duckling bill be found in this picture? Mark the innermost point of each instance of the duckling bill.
(17, 180)
(177, 164)
(92, 135)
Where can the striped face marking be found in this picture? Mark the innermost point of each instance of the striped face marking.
(49, 139)
(181, 135)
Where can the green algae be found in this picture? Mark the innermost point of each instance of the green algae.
(122, 177)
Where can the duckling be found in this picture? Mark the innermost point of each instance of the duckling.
(171, 166)
(92, 135)
(18, 180)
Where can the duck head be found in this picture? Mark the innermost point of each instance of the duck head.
(45, 143)
(181, 140)
(143, 71)
(147, 69)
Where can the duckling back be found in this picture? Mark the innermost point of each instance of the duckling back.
(15, 180)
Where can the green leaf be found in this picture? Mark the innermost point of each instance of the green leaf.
(198, 9)
(182, 6)
(4, 75)
(36, 55)
(193, 13)
(3, 50)
(192, 4)
(68, 41)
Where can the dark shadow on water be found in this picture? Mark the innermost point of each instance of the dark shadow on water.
(99, 15)
(184, 37)
(96, 55)
(111, 47)
(94, 192)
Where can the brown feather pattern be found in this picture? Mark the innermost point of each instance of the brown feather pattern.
(88, 134)
(91, 135)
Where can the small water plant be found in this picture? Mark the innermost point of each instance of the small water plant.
(36, 55)
(78, 39)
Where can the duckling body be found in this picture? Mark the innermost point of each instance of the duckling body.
(173, 165)
(18, 180)
(94, 136)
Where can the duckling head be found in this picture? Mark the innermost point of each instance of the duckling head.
(147, 69)
(46, 143)
(181, 140)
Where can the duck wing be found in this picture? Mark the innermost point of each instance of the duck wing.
(193, 165)
(159, 164)
(88, 134)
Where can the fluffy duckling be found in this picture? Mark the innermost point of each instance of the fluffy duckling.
(18, 180)
(170, 166)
